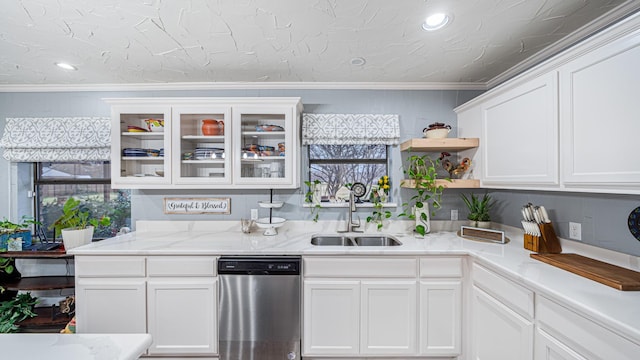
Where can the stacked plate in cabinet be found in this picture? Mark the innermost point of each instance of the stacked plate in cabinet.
(136, 152)
(208, 153)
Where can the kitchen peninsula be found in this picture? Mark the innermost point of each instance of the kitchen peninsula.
(561, 311)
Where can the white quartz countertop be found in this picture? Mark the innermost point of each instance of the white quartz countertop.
(614, 309)
(74, 346)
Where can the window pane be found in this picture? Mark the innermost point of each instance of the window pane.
(71, 171)
(336, 175)
(337, 165)
(98, 199)
(86, 181)
(361, 152)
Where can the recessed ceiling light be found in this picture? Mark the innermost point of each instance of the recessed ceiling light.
(66, 66)
(358, 61)
(436, 21)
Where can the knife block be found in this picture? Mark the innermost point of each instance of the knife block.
(547, 243)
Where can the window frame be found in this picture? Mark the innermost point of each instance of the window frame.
(38, 181)
(385, 161)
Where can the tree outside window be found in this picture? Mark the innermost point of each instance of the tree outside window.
(337, 165)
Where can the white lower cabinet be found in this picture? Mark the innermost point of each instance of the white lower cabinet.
(331, 315)
(501, 317)
(550, 348)
(173, 298)
(382, 306)
(388, 317)
(359, 317)
(498, 332)
(440, 317)
(348, 314)
(182, 316)
(564, 334)
(111, 306)
(440, 306)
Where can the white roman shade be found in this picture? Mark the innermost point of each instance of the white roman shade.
(57, 139)
(350, 129)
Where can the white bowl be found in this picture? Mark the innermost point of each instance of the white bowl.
(437, 133)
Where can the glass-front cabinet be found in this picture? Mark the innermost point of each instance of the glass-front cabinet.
(206, 143)
(138, 146)
(202, 138)
(265, 136)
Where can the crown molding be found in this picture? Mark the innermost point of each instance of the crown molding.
(619, 13)
(245, 86)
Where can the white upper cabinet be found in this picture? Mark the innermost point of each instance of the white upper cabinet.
(599, 117)
(568, 124)
(268, 145)
(205, 143)
(520, 132)
(202, 138)
(137, 157)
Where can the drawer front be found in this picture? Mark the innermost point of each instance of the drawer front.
(110, 266)
(582, 335)
(439, 267)
(359, 267)
(181, 266)
(518, 298)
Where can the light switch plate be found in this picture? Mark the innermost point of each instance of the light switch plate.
(254, 214)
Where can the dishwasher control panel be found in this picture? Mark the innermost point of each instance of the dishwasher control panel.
(259, 265)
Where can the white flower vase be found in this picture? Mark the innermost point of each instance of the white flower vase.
(419, 214)
(317, 194)
(73, 238)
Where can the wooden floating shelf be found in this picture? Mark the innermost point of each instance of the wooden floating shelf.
(451, 144)
(45, 321)
(454, 184)
(41, 283)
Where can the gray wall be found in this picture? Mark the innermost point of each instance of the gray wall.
(603, 217)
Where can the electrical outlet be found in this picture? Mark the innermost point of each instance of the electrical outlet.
(575, 231)
(254, 214)
(454, 215)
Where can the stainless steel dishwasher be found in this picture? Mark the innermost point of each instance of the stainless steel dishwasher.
(259, 309)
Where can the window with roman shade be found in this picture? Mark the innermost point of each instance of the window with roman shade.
(350, 129)
(348, 148)
(57, 139)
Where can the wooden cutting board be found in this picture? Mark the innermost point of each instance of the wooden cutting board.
(608, 274)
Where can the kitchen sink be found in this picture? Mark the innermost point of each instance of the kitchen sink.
(331, 241)
(360, 240)
(376, 241)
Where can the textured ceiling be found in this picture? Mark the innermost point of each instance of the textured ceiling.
(153, 41)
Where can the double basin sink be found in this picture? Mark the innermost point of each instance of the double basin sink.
(354, 240)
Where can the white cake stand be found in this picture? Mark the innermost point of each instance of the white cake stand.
(270, 227)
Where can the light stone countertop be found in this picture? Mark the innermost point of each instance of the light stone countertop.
(74, 346)
(614, 309)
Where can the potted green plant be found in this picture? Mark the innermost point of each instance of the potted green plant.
(421, 170)
(16, 310)
(479, 208)
(76, 224)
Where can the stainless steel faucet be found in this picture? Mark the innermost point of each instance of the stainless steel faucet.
(351, 225)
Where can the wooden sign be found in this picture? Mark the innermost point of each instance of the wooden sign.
(193, 206)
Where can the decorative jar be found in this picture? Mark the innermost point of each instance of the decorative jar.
(210, 127)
